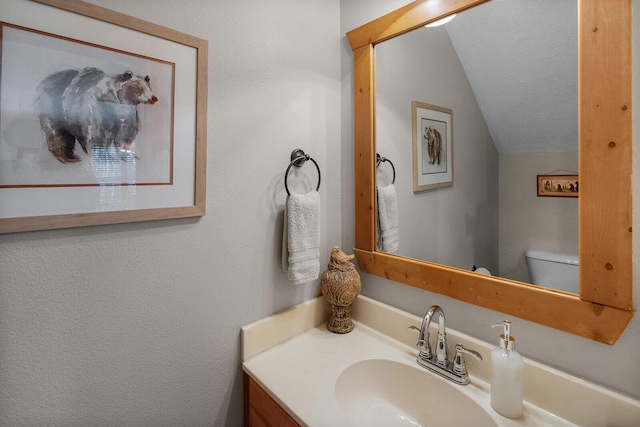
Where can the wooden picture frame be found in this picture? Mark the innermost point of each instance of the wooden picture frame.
(432, 146)
(558, 185)
(102, 118)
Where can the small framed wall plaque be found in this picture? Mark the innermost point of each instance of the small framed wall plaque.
(558, 185)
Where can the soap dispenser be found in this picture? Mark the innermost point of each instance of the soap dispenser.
(506, 375)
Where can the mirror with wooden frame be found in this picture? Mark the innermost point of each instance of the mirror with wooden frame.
(604, 305)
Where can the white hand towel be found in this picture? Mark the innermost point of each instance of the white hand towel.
(301, 237)
(388, 236)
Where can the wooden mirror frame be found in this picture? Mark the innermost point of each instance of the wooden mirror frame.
(604, 306)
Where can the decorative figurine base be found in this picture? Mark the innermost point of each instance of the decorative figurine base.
(340, 321)
(340, 285)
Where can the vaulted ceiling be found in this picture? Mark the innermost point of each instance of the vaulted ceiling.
(520, 57)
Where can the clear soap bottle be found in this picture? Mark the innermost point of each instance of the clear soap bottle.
(506, 375)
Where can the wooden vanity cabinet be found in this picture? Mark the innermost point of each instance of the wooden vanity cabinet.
(260, 410)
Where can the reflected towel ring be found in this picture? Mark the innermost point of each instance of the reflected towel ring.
(380, 159)
(298, 158)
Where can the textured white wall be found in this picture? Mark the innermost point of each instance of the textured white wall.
(614, 366)
(138, 324)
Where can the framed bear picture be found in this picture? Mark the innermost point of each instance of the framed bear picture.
(102, 118)
(432, 146)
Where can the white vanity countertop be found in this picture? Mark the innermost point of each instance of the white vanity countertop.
(297, 361)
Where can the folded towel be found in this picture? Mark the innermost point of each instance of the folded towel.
(388, 233)
(301, 237)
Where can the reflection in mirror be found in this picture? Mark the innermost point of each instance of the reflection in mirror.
(512, 87)
(604, 305)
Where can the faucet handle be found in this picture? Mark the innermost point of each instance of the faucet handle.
(459, 366)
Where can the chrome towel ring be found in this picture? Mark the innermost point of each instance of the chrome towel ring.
(380, 159)
(298, 158)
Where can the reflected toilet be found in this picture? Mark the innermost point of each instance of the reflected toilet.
(556, 270)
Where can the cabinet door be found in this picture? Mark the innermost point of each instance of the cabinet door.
(261, 410)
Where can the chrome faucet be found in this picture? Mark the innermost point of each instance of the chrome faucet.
(454, 370)
(423, 339)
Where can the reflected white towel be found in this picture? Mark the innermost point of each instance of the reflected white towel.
(301, 237)
(388, 236)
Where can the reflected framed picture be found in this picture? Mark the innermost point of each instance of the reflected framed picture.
(102, 118)
(558, 185)
(432, 146)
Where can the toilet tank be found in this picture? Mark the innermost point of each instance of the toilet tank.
(557, 270)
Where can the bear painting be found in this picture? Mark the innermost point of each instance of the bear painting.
(91, 108)
(434, 145)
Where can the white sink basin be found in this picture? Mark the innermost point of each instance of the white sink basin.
(379, 392)
(369, 377)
